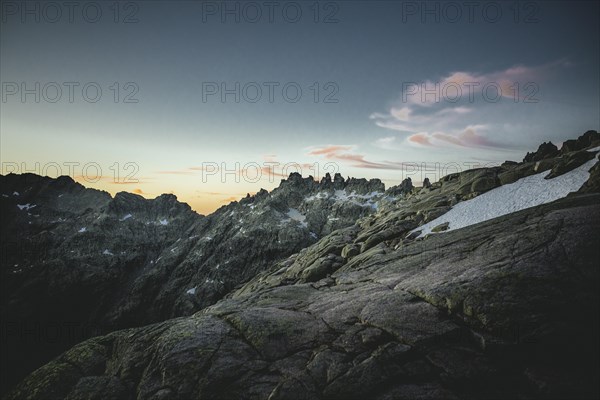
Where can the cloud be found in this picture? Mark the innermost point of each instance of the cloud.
(343, 153)
(420, 138)
(330, 151)
(385, 142)
(138, 191)
(460, 84)
(401, 114)
(472, 136)
(178, 172)
(425, 118)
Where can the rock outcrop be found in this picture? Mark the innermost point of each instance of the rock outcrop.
(546, 150)
(587, 140)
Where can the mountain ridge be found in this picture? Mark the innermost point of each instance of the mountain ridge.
(301, 233)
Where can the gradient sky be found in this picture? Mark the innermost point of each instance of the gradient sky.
(372, 57)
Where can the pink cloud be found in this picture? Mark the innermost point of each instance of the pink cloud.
(420, 138)
(329, 151)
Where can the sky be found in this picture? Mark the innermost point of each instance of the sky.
(211, 100)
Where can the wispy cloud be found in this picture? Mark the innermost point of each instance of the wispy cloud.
(348, 155)
(428, 116)
(190, 171)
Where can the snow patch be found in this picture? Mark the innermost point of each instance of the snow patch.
(320, 195)
(527, 192)
(82, 229)
(295, 215)
(363, 200)
(26, 206)
(594, 149)
(191, 291)
(126, 217)
(16, 194)
(163, 221)
(107, 253)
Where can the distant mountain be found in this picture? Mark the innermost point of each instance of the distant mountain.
(331, 289)
(77, 263)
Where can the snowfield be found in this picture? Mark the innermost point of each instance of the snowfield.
(527, 192)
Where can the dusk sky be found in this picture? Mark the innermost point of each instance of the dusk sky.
(361, 67)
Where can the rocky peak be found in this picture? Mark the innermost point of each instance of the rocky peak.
(546, 150)
(405, 187)
(338, 178)
(588, 139)
(326, 179)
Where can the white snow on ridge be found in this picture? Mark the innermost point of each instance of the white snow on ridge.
(25, 206)
(367, 200)
(294, 214)
(363, 200)
(126, 217)
(320, 195)
(594, 149)
(527, 192)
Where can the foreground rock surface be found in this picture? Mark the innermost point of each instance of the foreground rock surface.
(507, 308)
